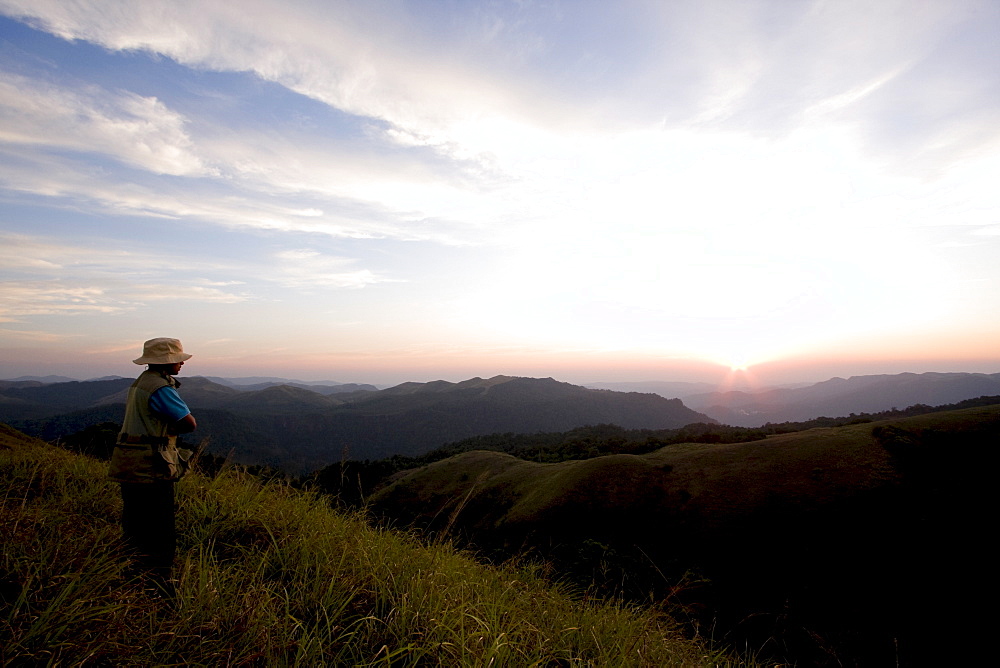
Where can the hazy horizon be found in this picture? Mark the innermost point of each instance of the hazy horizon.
(700, 191)
(720, 377)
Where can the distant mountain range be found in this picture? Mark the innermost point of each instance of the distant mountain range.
(27, 399)
(300, 429)
(261, 382)
(832, 398)
(40, 379)
(299, 426)
(244, 383)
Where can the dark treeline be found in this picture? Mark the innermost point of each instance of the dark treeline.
(98, 440)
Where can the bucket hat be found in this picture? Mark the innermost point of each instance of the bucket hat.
(162, 351)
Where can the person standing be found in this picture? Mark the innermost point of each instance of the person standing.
(146, 461)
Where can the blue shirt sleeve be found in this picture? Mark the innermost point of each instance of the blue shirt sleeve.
(167, 402)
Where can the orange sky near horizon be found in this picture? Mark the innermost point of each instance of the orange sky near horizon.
(578, 367)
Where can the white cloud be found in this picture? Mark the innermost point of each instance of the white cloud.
(35, 336)
(351, 200)
(48, 277)
(506, 159)
(355, 56)
(19, 299)
(306, 268)
(41, 255)
(43, 277)
(753, 65)
(647, 161)
(180, 293)
(136, 130)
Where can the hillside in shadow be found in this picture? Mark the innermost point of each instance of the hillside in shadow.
(830, 545)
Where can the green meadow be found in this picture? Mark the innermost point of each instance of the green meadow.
(271, 575)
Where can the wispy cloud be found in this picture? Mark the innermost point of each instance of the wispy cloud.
(181, 293)
(18, 299)
(497, 150)
(357, 57)
(26, 298)
(753, 66)
(221, 202)
(261, 181)
(42, 255)
(304, 268)
(575, 176)
(36, 336)
(139, 131)
(42, 277)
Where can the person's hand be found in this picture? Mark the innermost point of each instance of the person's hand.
(185, 425)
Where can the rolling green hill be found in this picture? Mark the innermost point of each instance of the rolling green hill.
(825, 531)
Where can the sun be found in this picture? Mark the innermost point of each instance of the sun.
(739, 366)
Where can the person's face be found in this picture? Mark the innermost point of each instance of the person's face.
(174, 369)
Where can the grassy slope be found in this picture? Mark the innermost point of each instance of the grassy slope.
(694, 479)
(268, 575)
(694, 483)
(833, 532)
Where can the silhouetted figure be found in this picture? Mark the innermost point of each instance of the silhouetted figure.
(146, 460)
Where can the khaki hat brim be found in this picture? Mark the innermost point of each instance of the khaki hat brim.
(169, 358)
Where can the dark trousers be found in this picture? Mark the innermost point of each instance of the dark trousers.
(148, 525)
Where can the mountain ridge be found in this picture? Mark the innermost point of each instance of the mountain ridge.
(841, 397)
(299, 430)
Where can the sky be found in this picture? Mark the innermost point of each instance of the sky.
(389, 190)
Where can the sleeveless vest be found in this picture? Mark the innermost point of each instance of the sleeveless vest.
(145, 452)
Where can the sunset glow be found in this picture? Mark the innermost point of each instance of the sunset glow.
(381, 192)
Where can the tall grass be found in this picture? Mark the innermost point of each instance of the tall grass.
(268, 575)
